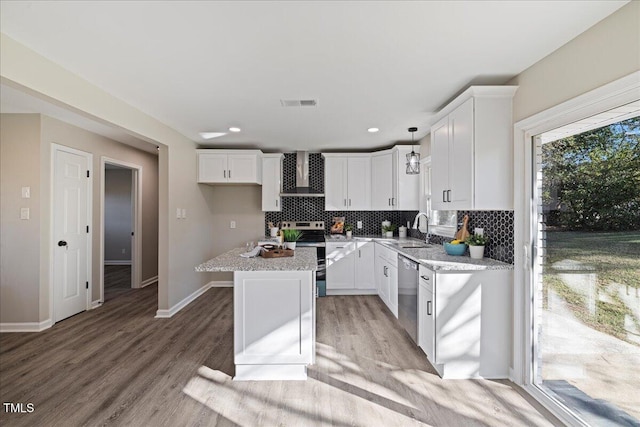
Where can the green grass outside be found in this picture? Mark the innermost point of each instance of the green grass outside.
(615, 258)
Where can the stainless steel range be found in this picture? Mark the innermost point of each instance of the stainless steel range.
(312, 236)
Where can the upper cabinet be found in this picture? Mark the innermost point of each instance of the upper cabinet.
(472, 151)
(229, 166)
(392, 188)
(271, 181)
(347, 182)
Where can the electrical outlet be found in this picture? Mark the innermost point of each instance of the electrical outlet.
(232, 225)
(184, 213)
(479, 231)
(359, 224)
(24, 213)
(124, 251)
(178, 213)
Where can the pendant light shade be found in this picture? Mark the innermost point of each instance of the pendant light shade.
(413, 158)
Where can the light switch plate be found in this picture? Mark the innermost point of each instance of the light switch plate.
(24, 213)
(184, 213)
(26, 192)
(359, 224)
(232, 225)
(178, 213)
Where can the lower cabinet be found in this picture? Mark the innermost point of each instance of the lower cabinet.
(386, 272)
(464, 322)
(349, 268)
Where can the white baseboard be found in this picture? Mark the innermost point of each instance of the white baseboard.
(352, 292)
(165, 314)
(149, 281)
(96, 304)
(221, 284)
(26, 326)
(117, 262)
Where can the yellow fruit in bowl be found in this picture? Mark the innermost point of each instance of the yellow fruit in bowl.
(455, 242)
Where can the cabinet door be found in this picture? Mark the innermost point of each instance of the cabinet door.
(365, 275)
(458, 300)
(359, 183)
(440, 164)
(335, 184)
(341, 266)
(382, 182)
(271, 183)
(243, 168)
(426, 310)
(461, 156)
(392, 272)
(212, 167)
(382, 281)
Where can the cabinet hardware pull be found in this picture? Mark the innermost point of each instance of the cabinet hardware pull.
(389, 202)
(424, 277)
(443, 197)
(344, 202)
(393, 201)
(229, 173)
(359, 254)
(225, 173)
(428, 308)
(385, 271)
(448, 195)
(349, 202)
(276, 203)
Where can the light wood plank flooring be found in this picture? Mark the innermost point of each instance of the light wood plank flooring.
(117, 365)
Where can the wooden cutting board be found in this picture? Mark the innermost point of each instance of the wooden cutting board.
(463, 233)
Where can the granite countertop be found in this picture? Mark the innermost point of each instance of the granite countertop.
(304, 259)
(433, 257)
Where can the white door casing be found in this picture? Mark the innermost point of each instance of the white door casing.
(136, 238)
(71, 208)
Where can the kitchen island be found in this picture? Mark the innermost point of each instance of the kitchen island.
(273, 313)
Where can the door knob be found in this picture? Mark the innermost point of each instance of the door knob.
(62, 243)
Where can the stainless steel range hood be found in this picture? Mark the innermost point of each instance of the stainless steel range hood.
(302, 188)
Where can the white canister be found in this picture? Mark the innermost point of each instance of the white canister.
(274, 231)
(384, 224)
(402, 232)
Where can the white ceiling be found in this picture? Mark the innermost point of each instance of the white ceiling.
(205, 66)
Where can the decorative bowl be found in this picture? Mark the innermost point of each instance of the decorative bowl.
(456, 250)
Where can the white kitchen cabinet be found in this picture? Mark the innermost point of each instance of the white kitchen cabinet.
(229, 166)
(386, 268)
(472, 149)
(392, 188)
(271, 181)
(467, 334)
(347, 182)
(349, 269)
(364, 259)
(341, 258)
(274, 324)
(382, 181)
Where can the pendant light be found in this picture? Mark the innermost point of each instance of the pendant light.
(413, 158)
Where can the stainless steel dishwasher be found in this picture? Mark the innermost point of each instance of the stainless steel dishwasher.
(408, 273)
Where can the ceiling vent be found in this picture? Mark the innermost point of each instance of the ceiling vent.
(299, 102)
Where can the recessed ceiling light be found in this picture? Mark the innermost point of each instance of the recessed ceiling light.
(373, 130)
(211, 135)
(234, 129)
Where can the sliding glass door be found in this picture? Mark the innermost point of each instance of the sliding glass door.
(585, 267)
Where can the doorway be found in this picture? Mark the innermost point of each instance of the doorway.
(71, 234)
(120, 225)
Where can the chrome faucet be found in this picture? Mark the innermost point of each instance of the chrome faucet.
(415, 225)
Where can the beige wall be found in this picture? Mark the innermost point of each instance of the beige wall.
(24, 69)
(20, 275)
(26, 152)
(607, 51)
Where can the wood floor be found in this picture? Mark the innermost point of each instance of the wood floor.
(117, 365)
(117, 281)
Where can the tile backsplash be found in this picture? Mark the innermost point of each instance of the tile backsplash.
(497, 225)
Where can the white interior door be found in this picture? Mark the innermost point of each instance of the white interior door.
(71, 208)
